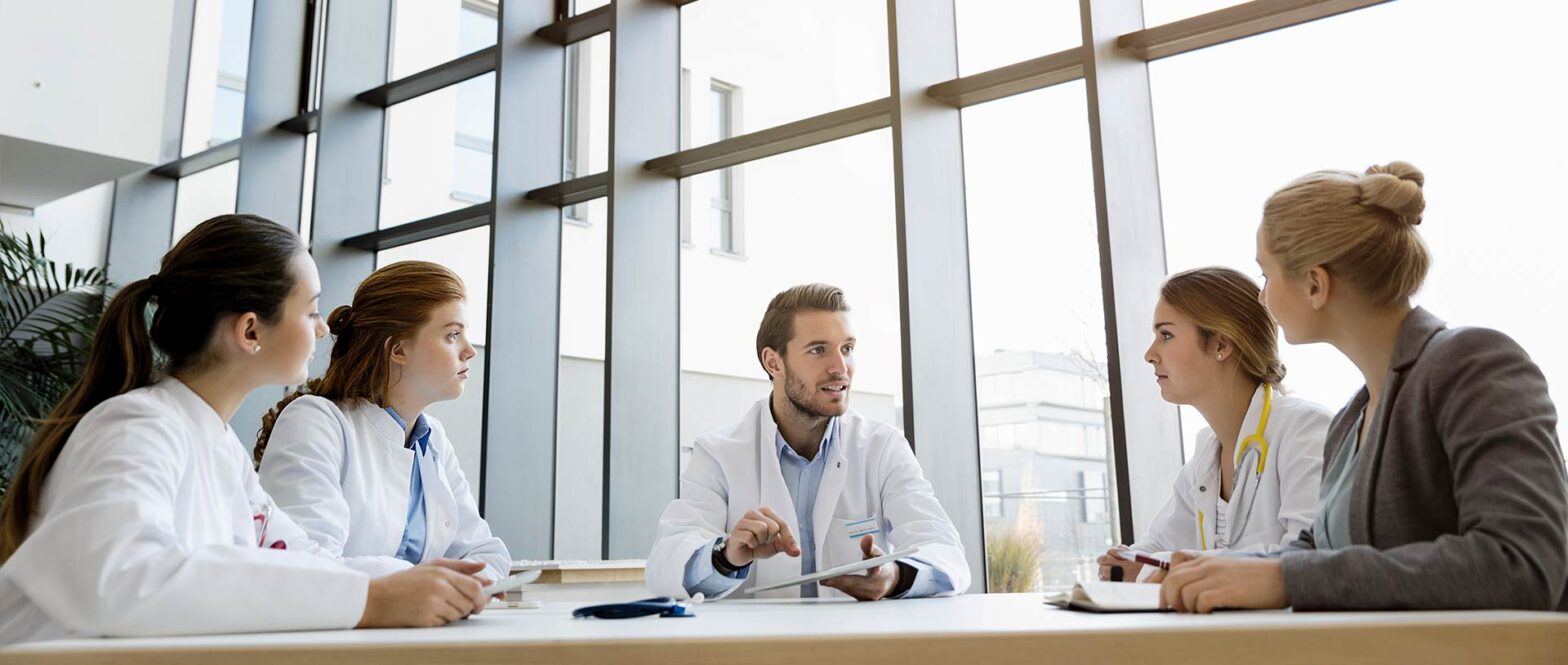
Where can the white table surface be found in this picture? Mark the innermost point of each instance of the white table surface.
(789, 622)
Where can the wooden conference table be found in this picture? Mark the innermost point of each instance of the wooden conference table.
(968, 630)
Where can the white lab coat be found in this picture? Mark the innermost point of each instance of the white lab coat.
(1287, 495)
(342, 473)
(873, 474)
(145, 528)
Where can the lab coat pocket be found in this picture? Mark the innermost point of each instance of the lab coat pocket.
(843, 541)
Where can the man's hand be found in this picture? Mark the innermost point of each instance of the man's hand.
(874, 584)
(759, 534)
(1203, 584)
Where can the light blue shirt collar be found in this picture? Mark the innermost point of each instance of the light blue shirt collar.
(421, 432)
(783, 448)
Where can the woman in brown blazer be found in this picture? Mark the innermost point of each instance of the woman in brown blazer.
(1443, 483)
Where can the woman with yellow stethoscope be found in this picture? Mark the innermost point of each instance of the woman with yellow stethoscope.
(1252, 484)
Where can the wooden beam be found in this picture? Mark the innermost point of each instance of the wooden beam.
(1029, 75)
(1231, 23)
(812, 131)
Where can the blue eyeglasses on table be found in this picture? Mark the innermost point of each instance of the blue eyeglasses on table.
(664, 607)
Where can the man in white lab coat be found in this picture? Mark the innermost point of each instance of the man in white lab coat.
(803, 484)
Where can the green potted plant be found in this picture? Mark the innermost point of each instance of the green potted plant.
(48, 312)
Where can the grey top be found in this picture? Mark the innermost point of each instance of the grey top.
(1460, 497)
(1331, 529)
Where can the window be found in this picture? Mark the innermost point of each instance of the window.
(307, 199)
(579, 442)
(203, 195)
(991, 492)
(795, 59)
(722, 300)
(994, 33)
(427, 33)
(474, 141)
(1463, 121)
(1160, 12)
(1096, 500)
(586, 149)
(438, 152)
(722, 185)
(315, 50)
(215, 89)
(1038, 319)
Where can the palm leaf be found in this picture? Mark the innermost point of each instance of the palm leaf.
(48, 312)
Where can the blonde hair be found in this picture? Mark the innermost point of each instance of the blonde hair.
(1359, 227)
(1225, 302)
(778, 323)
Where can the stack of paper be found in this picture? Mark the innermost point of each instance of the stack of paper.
(569, 572)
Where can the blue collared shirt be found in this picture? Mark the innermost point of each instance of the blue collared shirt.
(803, 478)
(412, 549)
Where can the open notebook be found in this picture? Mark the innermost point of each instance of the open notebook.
(1109, 597)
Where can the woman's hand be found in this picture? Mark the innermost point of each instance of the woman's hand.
(1109, 560)
(431, 594)
(1202, 584)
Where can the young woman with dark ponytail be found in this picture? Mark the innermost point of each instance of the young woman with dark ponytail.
(135, 510)
(355, 459)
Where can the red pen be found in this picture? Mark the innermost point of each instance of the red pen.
(1145, 559)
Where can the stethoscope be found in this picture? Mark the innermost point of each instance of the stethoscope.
(1252, 453)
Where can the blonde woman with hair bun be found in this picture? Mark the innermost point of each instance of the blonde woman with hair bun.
(1444, 486)
(1252, 483)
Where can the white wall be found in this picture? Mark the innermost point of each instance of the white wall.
(83, 57)
(76, 228)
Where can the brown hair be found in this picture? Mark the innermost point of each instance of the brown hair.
(389, 306)
(778, 323)
(1224, 302)
(1359, 227)
(231, 264)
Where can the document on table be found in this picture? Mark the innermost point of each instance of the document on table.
(1109, 597)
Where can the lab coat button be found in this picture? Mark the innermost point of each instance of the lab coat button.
(1203, 488)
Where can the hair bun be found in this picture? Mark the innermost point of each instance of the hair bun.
(340, 320)
(1395, 187)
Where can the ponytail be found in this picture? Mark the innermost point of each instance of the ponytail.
(121, 359)
(230, 264)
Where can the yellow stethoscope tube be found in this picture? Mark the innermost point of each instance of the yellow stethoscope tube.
(1258, 446)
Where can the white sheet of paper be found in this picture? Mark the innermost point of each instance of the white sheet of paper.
(858, 566)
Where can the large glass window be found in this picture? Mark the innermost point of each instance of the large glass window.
(994, 33)
(579, 502)
(438, 152)
(587, 114)
(307, 199)
(1237, 121)
(1039, 328)
(1160, 12)
(203, 195)
(842, 235)
(215, 90)
(794, 58)
(426, 33)
(467, 253)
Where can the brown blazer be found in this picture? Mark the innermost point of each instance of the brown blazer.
(1460, 497)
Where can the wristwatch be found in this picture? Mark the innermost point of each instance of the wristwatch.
(721, 564)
